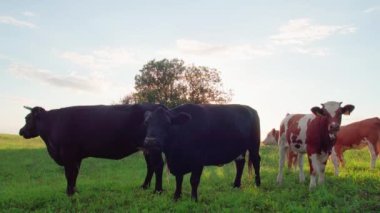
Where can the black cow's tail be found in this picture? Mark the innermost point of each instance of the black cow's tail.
(250, 168)
(167, 170)
(254, 148)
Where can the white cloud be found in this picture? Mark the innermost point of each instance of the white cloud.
(28, 13)
(372, 9)
(17, 99)
(18, 23)
(311, 51)
(239, 51)
(73, 81)
(295, 36)
(303, 32)
(198, 47)
(101, 59)
(250, 50)
(5, 57)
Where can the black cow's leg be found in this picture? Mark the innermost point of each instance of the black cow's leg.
(158, 168)
(194, 181)
(71, 173)
(255, 158)
(149, 174)
(239, 162)
(178, 189)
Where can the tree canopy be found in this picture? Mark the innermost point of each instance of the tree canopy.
(172, 83)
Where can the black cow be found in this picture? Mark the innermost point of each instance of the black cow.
(74, 133)
(193, 136)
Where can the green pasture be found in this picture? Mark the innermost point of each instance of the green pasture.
(31, 181)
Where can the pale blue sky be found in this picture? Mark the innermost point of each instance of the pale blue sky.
(276, 56)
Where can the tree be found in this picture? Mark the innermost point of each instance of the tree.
(172, 83)
(204, 85)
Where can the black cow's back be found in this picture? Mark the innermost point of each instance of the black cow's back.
(96, 131)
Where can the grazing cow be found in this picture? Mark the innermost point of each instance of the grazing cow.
(314, 134)
(193, 136)
(356, 136)
(272, 139)
(74, 133)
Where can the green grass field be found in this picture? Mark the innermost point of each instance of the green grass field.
(31, 181)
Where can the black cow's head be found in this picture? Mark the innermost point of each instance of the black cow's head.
(158, 123)
(333, 112)
(29, 130)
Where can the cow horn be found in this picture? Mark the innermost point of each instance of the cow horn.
(29, 108)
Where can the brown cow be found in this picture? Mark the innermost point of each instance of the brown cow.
(272, 139)
(355, 136)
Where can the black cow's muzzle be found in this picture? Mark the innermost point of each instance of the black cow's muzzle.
(21, 132)
(149, 141)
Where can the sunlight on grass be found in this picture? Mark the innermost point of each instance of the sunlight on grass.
(31, 181)
(219, 172)
(206, 174)
(18, 142)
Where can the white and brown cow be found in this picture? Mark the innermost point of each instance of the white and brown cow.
(355, 136)
(272, 139)
(313, 134)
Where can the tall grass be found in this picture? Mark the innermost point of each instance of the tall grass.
(31, 181)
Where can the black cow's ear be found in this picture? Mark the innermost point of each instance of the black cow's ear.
(147, 115)
(346, 110)
(181, 118)
(317, 111)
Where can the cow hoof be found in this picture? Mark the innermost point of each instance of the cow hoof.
(258, 182)
(195, 199)
(145, 186)
(158, 191)
(176, 197)
(70, 192)
(302, 179)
